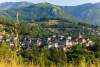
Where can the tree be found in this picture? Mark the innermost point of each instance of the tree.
(96, 46)
(57, 56)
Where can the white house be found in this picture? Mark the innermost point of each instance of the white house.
(69, 43)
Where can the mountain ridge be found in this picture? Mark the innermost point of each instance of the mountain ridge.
(39, 11)
(12, 5)
(89, 12)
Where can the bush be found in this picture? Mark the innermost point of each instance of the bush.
(4, 50)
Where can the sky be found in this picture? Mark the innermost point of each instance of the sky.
(57, 2)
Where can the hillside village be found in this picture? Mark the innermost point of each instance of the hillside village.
(57, 41)
(52, 41)
(49, 35)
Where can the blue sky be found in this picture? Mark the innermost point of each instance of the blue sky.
(58, 2)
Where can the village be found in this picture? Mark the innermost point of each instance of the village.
(57, 41)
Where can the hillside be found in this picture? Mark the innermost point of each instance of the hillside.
(87, 12)
(41, 11)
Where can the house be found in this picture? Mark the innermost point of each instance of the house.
(61, 40)
(69, 43)
(89, 43)
(84, 41)
(69, 37)
(1, 38)
(39, 42)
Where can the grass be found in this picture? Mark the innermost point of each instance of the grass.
(14, 63)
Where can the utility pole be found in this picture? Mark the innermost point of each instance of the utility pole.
(17, 24)
(17, 17)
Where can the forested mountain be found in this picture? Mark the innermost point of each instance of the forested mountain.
(89, 12)
(86, 12)
(41, 11)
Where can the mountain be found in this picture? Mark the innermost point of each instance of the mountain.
(40, 11)
(89, 12)
(13, 5)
